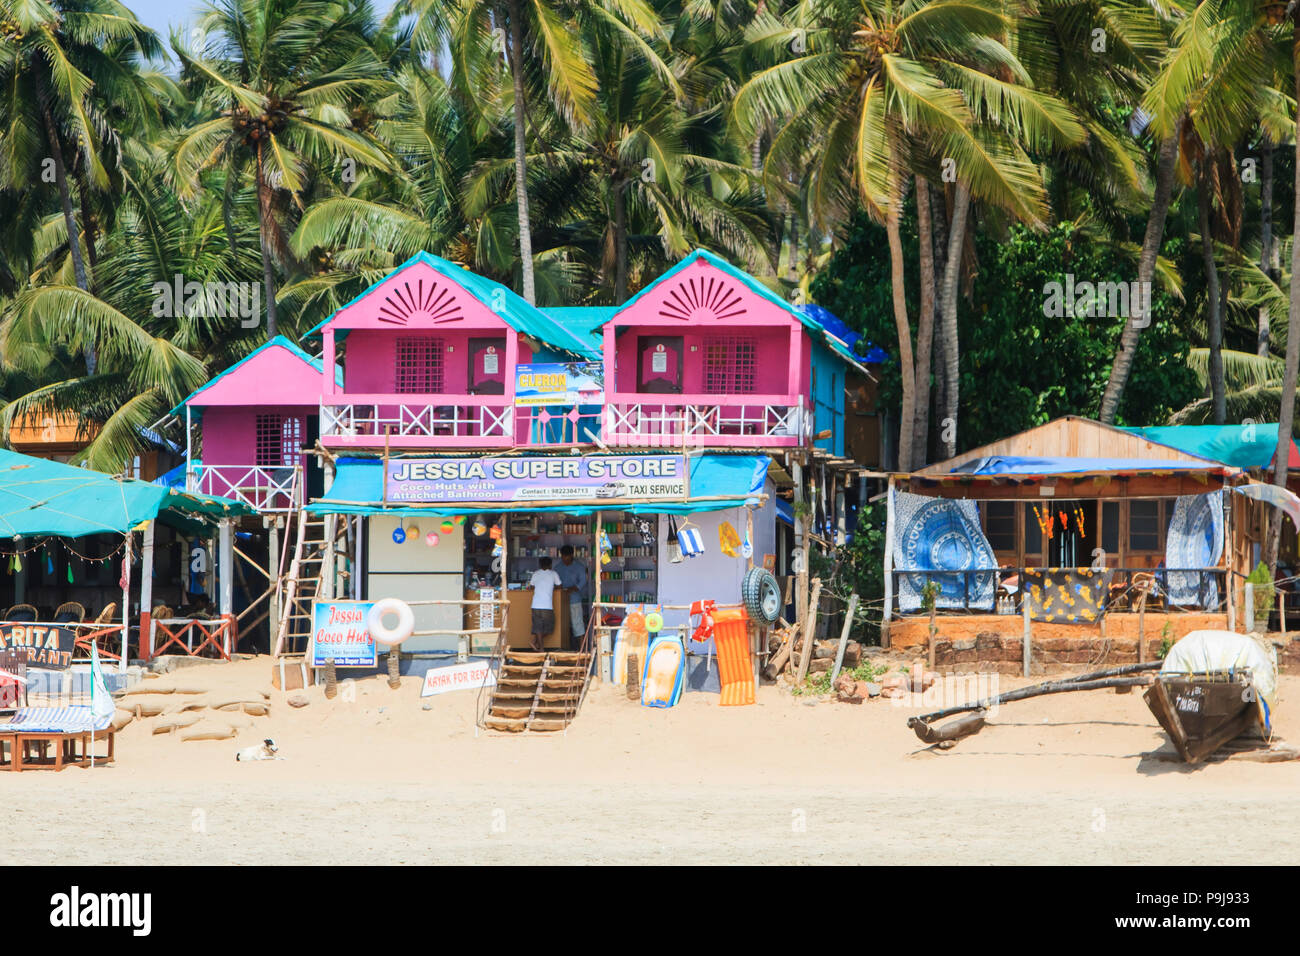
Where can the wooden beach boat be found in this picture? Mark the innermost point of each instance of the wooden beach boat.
(1202, 712)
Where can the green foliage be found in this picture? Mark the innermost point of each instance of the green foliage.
(1020, 367)
(819, 684)
(1265, 591)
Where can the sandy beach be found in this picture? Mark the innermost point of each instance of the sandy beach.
(372, 777)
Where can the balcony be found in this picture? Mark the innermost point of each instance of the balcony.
(268, 488)
(657, 421)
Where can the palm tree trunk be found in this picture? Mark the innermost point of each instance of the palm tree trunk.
(951, 277)
(1286, 414)
(620, 243)
(1265, 236)
(521, 170)
(264, 240)
(907, 415)
(1123, 364)
(1213, 300)
(792, 269)
(65, 196)
(924, 325)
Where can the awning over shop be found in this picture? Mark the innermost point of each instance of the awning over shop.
(41, 498)
(717, 482)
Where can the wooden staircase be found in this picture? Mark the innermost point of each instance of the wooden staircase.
(537, 690)
(301, 583)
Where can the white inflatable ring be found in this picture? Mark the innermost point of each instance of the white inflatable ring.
(383, 634)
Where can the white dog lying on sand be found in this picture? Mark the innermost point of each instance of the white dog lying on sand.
(266, 750)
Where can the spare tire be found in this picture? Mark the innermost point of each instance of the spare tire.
(761, 596)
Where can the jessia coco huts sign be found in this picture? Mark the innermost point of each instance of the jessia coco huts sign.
(47, 646)
(597, 478)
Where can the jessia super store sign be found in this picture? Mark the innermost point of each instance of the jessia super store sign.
(598, 478)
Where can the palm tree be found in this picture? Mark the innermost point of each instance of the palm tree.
(278, 84)
(148, 362)
(884, 89)
(51, 59)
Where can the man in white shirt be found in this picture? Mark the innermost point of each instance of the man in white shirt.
(544, 582)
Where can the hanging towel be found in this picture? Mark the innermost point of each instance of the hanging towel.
(1194, 540)
(937, 535)
(691, 541)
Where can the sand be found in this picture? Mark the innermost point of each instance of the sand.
(371, 777)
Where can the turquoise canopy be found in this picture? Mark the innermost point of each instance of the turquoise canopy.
(1242, 446)
(40, 498)
(718, 482)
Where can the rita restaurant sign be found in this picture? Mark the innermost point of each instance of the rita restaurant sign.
(338, 631)
(612, 478)
(48, 646)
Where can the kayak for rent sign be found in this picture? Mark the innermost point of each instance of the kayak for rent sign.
(47, 646)
(571, 383)
(338, 631)
(613, 478)
(440, 680)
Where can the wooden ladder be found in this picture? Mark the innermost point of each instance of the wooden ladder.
(537, 690)
(301, 584)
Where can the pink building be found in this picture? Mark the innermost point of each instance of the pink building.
(426, 360)
(708, 356)
(253, 421)
(429, 357)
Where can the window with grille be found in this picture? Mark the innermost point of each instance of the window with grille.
(279, 440)
(419, 365)
(730, 363)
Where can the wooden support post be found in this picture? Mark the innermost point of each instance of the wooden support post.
(601, 648)
(844, 636)
(1027, 640)
(889, 564)
(810, 632)
(226, 552)
(801, 544)
(126, 600)
(146, 592)
(273, 565)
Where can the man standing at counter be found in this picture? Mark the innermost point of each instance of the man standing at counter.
(577, 580)
(544, 582)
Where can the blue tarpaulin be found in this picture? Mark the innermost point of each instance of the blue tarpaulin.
(726, 480)
(1022, 465)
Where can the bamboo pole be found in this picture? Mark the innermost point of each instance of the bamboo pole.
(889, 563)
(844, 637)
(810, 632)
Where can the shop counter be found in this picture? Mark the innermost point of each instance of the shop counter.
(520, 621)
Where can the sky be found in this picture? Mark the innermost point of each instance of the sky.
(162, 15)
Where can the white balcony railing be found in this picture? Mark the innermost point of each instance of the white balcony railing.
(726, 423)
(441, 424)
(268, 488)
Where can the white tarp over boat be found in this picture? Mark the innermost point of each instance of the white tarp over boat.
(1202, 651)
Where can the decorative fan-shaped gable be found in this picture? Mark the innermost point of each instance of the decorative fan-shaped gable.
(702, 298)
(421, 301)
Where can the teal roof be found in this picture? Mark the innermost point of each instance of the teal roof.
(517, 313)
(583, 321)
(41, 498)
(1242, 446)
(819, 331)
(279, 340)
